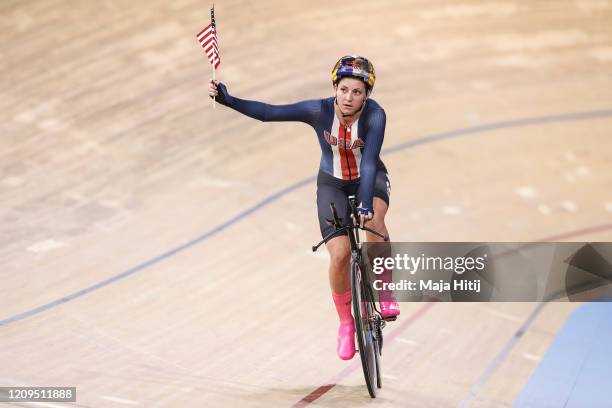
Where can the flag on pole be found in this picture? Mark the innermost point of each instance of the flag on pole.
(208, 40)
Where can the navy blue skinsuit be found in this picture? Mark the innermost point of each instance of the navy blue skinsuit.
(350, 162)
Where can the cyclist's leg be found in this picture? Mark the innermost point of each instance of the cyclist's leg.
(339, 249)
(382, 194)
(329, 191)
(339, 280)
(341, 294)
(382, 191)
(378, 222)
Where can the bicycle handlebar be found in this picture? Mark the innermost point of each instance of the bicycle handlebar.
(336, 222)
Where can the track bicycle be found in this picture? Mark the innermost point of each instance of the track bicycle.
(368, 319)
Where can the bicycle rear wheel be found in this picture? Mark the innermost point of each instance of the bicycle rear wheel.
(363, 309)
(377, 325)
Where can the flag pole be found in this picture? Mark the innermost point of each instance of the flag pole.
(214, 56)
(208, 40)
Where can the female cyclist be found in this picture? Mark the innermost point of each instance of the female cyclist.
(350, 128)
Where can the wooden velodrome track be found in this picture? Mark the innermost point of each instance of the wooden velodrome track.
(155, 252)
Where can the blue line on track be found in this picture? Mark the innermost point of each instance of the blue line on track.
(575, 372)
(270, 199)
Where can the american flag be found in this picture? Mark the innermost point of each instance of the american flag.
(208, 40)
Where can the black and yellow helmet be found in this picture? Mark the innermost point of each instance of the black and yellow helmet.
(354, 66)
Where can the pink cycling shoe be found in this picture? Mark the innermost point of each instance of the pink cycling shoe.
(346, 341)
(389, 309)
(346, 331)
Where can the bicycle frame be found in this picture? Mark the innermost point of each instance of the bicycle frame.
(368, 321)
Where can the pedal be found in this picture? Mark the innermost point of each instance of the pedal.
(390, 318)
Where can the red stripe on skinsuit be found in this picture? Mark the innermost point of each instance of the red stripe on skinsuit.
(352, 159)
(343, 162)
(348, 163)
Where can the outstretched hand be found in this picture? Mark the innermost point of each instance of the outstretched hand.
(213, 90)
(218, 90)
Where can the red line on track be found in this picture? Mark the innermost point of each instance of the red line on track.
(319, 392)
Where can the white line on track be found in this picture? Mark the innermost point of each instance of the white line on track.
(47, 404)
(583, 171)
(452, 210)
(525, 192)
(544, 209)
(406, 341)
(503, 315)
(531, 357)
(11, 182)
(569, 206)
(119, 400)
(46, 245)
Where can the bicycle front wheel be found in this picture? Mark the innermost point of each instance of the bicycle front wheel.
(363, 309)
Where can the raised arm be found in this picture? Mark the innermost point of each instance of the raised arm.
(305, 111)
(371, 152)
